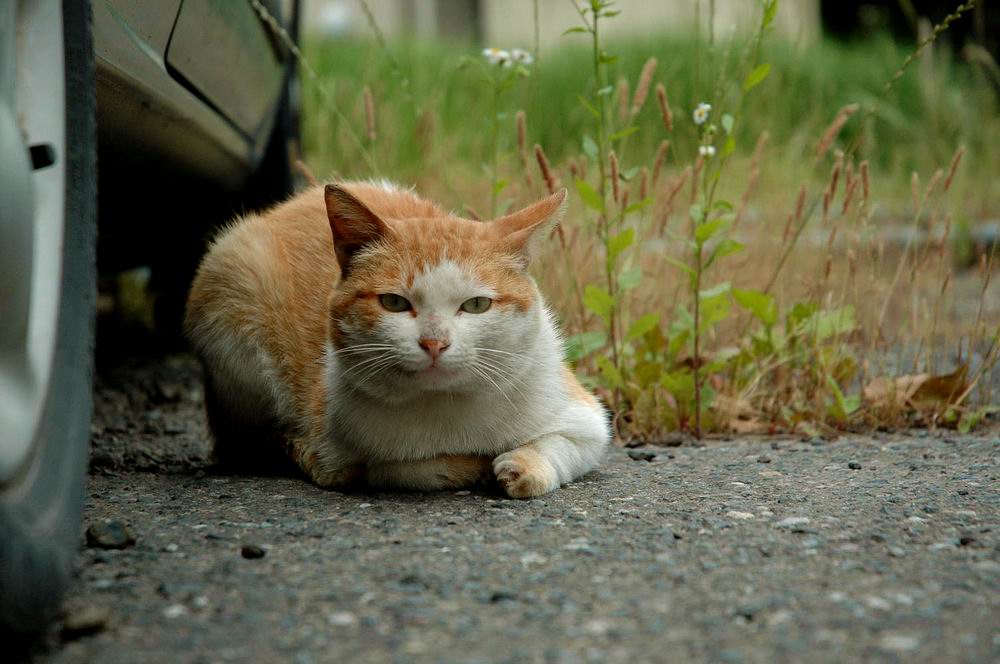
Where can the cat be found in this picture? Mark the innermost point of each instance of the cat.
(377, 341)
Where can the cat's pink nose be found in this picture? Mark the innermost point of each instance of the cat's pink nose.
(434, 347)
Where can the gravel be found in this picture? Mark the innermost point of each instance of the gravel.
(702, 555)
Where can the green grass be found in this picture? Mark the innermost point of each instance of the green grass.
(778, 334)
(915, 128)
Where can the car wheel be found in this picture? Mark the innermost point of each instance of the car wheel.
(47, 293)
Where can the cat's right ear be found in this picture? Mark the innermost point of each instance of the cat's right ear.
(352, 223)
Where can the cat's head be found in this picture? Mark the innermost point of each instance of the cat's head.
(439, 303)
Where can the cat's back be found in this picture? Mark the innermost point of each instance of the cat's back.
(283, 259)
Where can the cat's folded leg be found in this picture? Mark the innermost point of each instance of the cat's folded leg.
(442, 472)
(327, 467)
(547, 463)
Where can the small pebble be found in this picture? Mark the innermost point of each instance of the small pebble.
(740, 516)
(86, 621)
(109, 534)
(899, 642)
(854, 465)
(252, 552)
(792, 522)
(174, 611)
(342, 619)
(641, 455)
(763, 458)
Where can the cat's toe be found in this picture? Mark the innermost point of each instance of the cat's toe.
(524, 474)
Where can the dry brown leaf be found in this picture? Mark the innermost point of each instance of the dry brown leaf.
(897, 392)
(943, 390)
(738, 415)
(919, 391)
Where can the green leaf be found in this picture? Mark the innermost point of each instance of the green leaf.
(770, 10)
(611, 13)
(593, 111)
(499, 186)
(722, 204)
(756, 76)
(610, 372)
(844, 406)
(599, 301)
(630, 278)
(726, 247)
(682, 266)
(605, 91)
(590, 197)
(619, 243)
(638, 205)
(831, 323)
(579, 346)
(697, 213)
(629, 173)
(715, 291)
(759, 304)
(727, 123)
(643, 325)
(627, 131)
(607, 58)
(970, 420)
(589, 147)
(714, 307)
(680, 384)
(706, 231)
(729, 146)
(574, 30)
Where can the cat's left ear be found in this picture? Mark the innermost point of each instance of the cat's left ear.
(523, 232)
(352, 223)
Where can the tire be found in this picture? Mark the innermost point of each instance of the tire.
(40, 509)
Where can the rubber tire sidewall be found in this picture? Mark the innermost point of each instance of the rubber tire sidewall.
(40, 512)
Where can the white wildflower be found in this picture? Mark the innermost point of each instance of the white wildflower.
(521, 57)
(496, 56)
(701, 113)
(706, 150)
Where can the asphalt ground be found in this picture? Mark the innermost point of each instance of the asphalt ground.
(870, 548)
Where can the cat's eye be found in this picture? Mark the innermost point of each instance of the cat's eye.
(394, 303)
(476, 305)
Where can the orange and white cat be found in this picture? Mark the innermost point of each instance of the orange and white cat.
(381, 341)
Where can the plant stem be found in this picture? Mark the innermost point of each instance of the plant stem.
(697, 337)
(494, 148)
(602, 159)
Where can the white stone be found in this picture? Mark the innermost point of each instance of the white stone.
(342, 619)
(878, 603)
(740, 516)
(903, 642)
(792, 522)
(174, 611)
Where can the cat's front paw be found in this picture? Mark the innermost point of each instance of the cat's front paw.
(524, 473)
(351, 478)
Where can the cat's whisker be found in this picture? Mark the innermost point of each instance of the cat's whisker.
(362, 348)
(364, 364)
(520, 357)
(370, 370)
(504, 373)
(483, 374)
